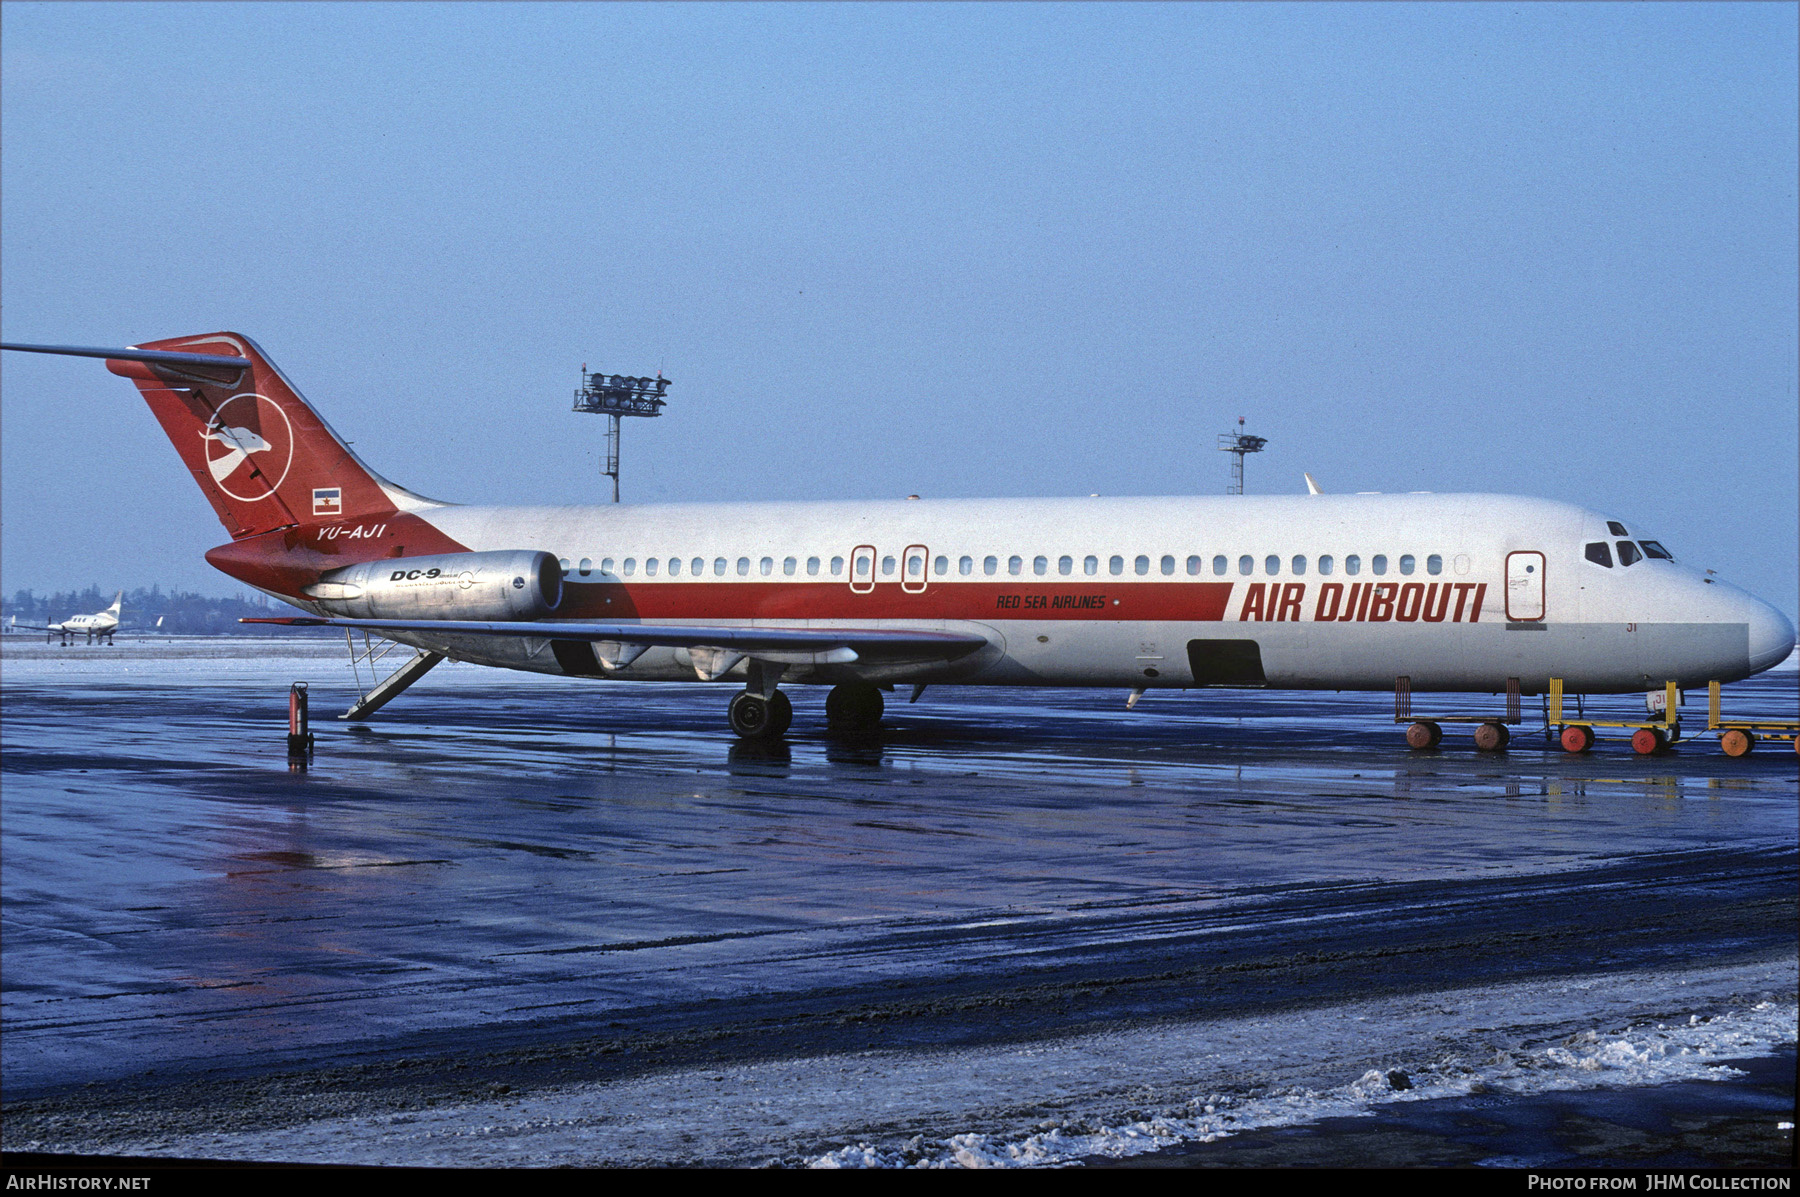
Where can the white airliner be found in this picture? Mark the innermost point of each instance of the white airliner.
(1476, 593)
(99, 626)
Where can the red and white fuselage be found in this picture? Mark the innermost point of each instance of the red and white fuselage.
(1448, 592)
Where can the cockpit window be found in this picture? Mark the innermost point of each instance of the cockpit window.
(1616, 528)
(1628, 553)
(1599, 554)
(1652, 549)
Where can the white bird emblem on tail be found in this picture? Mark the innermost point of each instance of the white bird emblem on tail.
(241, 441)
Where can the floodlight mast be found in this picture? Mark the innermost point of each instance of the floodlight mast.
(616, 395)
(1237, 444)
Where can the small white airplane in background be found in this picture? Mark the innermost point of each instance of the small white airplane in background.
(1411, 593)
(99, 626)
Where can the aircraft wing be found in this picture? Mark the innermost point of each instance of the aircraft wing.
(835, 646)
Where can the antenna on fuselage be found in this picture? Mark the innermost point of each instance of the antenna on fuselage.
(1238, 444)
(617, 395)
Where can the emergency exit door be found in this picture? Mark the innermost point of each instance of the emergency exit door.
(1525, 587)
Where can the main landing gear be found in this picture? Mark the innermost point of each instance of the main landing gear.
(755, 717)
(761, 712)
(854, 707)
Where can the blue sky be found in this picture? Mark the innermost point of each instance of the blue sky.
(951, 250)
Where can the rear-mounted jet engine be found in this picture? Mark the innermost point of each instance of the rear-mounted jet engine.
(519, 584)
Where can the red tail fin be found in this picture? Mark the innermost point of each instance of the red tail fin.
(261, 455)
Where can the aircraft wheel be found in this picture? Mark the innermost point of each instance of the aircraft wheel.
(1737, 743)
(854, 706)
(1648, 741)
(1577, 738)
(781, 715)
(1424, 734)
(1492, 737)
(754, 717)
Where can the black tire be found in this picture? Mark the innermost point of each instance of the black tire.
(854, 706)
(1492, 737)
(781, 716)
(753, 717)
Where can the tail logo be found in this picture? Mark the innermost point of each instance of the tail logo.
(249, 446)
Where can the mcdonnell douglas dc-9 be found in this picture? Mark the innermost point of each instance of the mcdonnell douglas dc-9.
(1413, 592)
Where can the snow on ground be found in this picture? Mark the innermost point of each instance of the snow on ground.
(1114, 1094)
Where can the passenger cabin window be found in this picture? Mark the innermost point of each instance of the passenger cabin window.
(1246, 565)
(1353, 565)
(1599, 554)
(587, 566)
(1434, 564)
(630, 566)
(788, 566)
(1116, 565)
(650, 564)
(812, 567)
(719, 566)
(1406, 563)
(1271, 565)
(1299, 566)
(1628, 553)
(1326, 565)
(767, 565)
(606, 565)
(1219, 566)
(1015, 566)
(697, 566)
(1652, 549)
(990, 566)
(1065, 565)
(965, 566)
(837, 566)
(1168, 567)
(1616, 528)
(862, 566)
(943, 565)
(1141, 565)
(1193, 566)
(887, 567)
(1379, 564)
(564, 562)
(1090, 565)
(743, 567)
(674, 567)
(1040, 566)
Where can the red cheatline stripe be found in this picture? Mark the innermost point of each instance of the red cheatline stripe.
(983, 601)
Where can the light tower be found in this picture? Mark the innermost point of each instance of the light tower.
(617, 395)
(1237, 444)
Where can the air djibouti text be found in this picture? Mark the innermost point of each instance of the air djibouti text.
(1367, 602)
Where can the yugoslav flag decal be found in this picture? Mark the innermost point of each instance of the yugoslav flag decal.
(249, 446)
(328, 500)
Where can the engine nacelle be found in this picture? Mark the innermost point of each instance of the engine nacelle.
(486, 586)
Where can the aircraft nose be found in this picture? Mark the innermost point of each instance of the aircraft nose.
(1771, 637)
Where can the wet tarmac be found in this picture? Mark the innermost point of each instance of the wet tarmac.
(507, 885)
